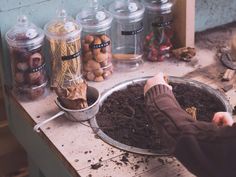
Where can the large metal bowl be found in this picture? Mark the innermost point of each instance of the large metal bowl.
(124, 85)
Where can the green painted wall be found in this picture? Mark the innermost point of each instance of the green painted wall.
(211, 13)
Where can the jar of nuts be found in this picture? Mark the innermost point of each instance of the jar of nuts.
(96, 42)
(25, 42)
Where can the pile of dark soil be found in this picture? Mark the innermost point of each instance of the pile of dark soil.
(123, 117)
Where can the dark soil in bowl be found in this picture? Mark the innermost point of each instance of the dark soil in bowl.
(122, 115)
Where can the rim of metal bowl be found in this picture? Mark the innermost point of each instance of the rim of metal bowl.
(123, 85)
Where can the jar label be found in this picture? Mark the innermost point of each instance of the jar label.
(98, 46)
(70, 57)
(132, 32)
(34, 70)
(160, 24)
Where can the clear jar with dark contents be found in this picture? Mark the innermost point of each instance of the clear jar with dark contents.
(25, 42)
(96, 42)
(159, 31)
(127, 34)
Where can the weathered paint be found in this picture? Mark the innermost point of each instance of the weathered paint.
(211, 13)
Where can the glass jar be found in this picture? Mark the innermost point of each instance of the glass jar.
(159, 31)
(63, 34)
(127, 30)
(96, 42)
(25, 42)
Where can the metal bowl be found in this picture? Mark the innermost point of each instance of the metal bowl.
(123, 85)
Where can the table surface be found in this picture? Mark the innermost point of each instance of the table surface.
(79, 147)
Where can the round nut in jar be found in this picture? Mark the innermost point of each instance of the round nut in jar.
(107, 74)
(92, 65)
(90, 76)
(88, 56)
(35, 60)
(101, 57)
(89, 39)
(34, 77)
(85, 47)
(99, 79)
(22, 66)
(98, 72)
(104, 38)
(104, 63)
(96, 51)
(97, 41)
(19, 77)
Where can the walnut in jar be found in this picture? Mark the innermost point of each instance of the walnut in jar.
(97, 59)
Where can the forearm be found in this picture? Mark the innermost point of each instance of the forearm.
(165, 111)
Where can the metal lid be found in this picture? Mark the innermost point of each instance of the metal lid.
(160, 6)
(24, 34)
(63, 27)
(94, 18)
(127, 10)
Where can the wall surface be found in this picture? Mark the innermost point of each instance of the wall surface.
(211, 13)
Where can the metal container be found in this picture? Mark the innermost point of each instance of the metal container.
(77, 115)
(123, 85)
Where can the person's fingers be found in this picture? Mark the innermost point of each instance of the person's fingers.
(223, 118)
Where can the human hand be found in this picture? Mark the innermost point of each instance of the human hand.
(156, 80)
(223, 119)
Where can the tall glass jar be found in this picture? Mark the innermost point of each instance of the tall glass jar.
(127, 30)
(63, 34)
(96, 42)
(25, 42)
(159, 31)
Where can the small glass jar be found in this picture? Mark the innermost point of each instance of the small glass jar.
(159, 31)
(127, 32)
(25, 42)
(63, 34)
(96, 42)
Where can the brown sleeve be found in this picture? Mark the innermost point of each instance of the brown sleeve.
(164, 111)
(204, 148)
